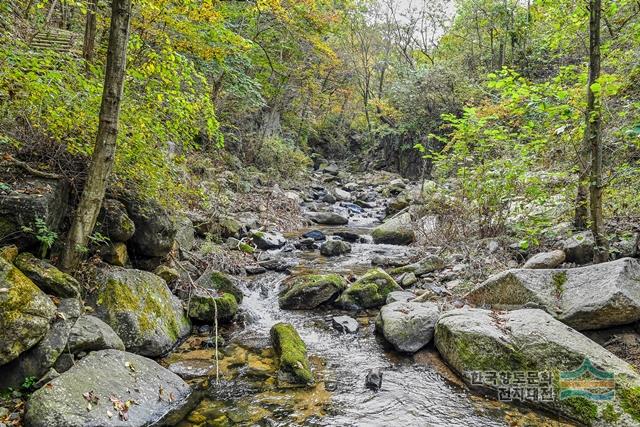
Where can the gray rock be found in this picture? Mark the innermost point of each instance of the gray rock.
(591, 297)
(332, 169)
(579, 247)
(107, 375)
(310, 291)
(329, 198)
(185, 232)
(345, 324)
(396, 231)
(551, 259)
(140, 308)
(335, 248)
(221, 282)
(475, 340)
(390, 261)
(190, 369)
(47, 277)
(399, 296)
(373, 381)
(254, 270)
(154, 230)
(32, 199)
(426, 265)
(342, 195)
(36, 361)
(407, 280)
(266, 240)
(91, 334)
(316, 235)
(328, 218)
(408, 326)
(626, 246)
(25, 312)
(114, 222)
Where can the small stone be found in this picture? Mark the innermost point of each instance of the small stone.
(253, 270)
(374, 379)
(551, 259)
(315, 235)
(115, 254)
(345, 324)
(335, 248)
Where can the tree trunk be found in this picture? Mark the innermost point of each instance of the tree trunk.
(104, 152)
(593, 135)
(90, 29)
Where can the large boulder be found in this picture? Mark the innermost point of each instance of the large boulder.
(114, 222)
(215, 296)
(481, 343)
(25, 312)
(408, 326)
(551, 259)
(154, 229)
(35, 362)
(309, 291)
(396, 231)
(579, 247)
(140, 308)
(591, 297)
(328, 218)
(47, 277)
(368, 291)
(108, 388)
(32, 201)
(293, 364)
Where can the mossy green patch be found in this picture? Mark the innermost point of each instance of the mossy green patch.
(292, 353)
(311, 290)
(582, 409)
(630, 401)
(559, 280)
(369, 291)
(610, 415)
(204, 307)
(222, 283)
(47, 277)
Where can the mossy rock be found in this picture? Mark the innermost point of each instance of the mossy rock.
(47, 277)
(309, 291)
(203, 306)
(292, 354)
(472, 340)
(25, 312)
(9, 253)
(220, 282)
(140, 308)
(114, 222)
(115, 254)
(396, 231)
(368, 291)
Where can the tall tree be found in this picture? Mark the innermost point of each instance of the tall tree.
(90, 30)
(104, 151)
(593, 133)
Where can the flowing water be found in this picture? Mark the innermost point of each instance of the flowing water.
(416, 390)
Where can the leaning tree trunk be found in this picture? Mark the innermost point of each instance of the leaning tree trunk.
(104, 150)
(593, 135)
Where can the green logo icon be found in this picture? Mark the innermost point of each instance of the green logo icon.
(587, 381)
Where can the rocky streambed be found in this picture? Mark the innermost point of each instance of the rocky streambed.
(339, 322)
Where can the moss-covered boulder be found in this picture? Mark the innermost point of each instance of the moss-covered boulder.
(114, 222)
(396, 231)
(311, 290)
(220, 282)
(47, 277)
(39, 359)
(87, 394)
(426, 265)
(140, 308)
(293, 365)
(368, 291)
(207, 305)
(155, 230)
(476, 341)
(25, 312)
(593, 297)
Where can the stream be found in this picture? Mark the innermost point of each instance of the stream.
(417, 390)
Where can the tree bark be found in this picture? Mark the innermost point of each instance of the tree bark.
(104, 152)
(593, 135)
(90, 30)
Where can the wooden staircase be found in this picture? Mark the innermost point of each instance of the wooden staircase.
(58, 40)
